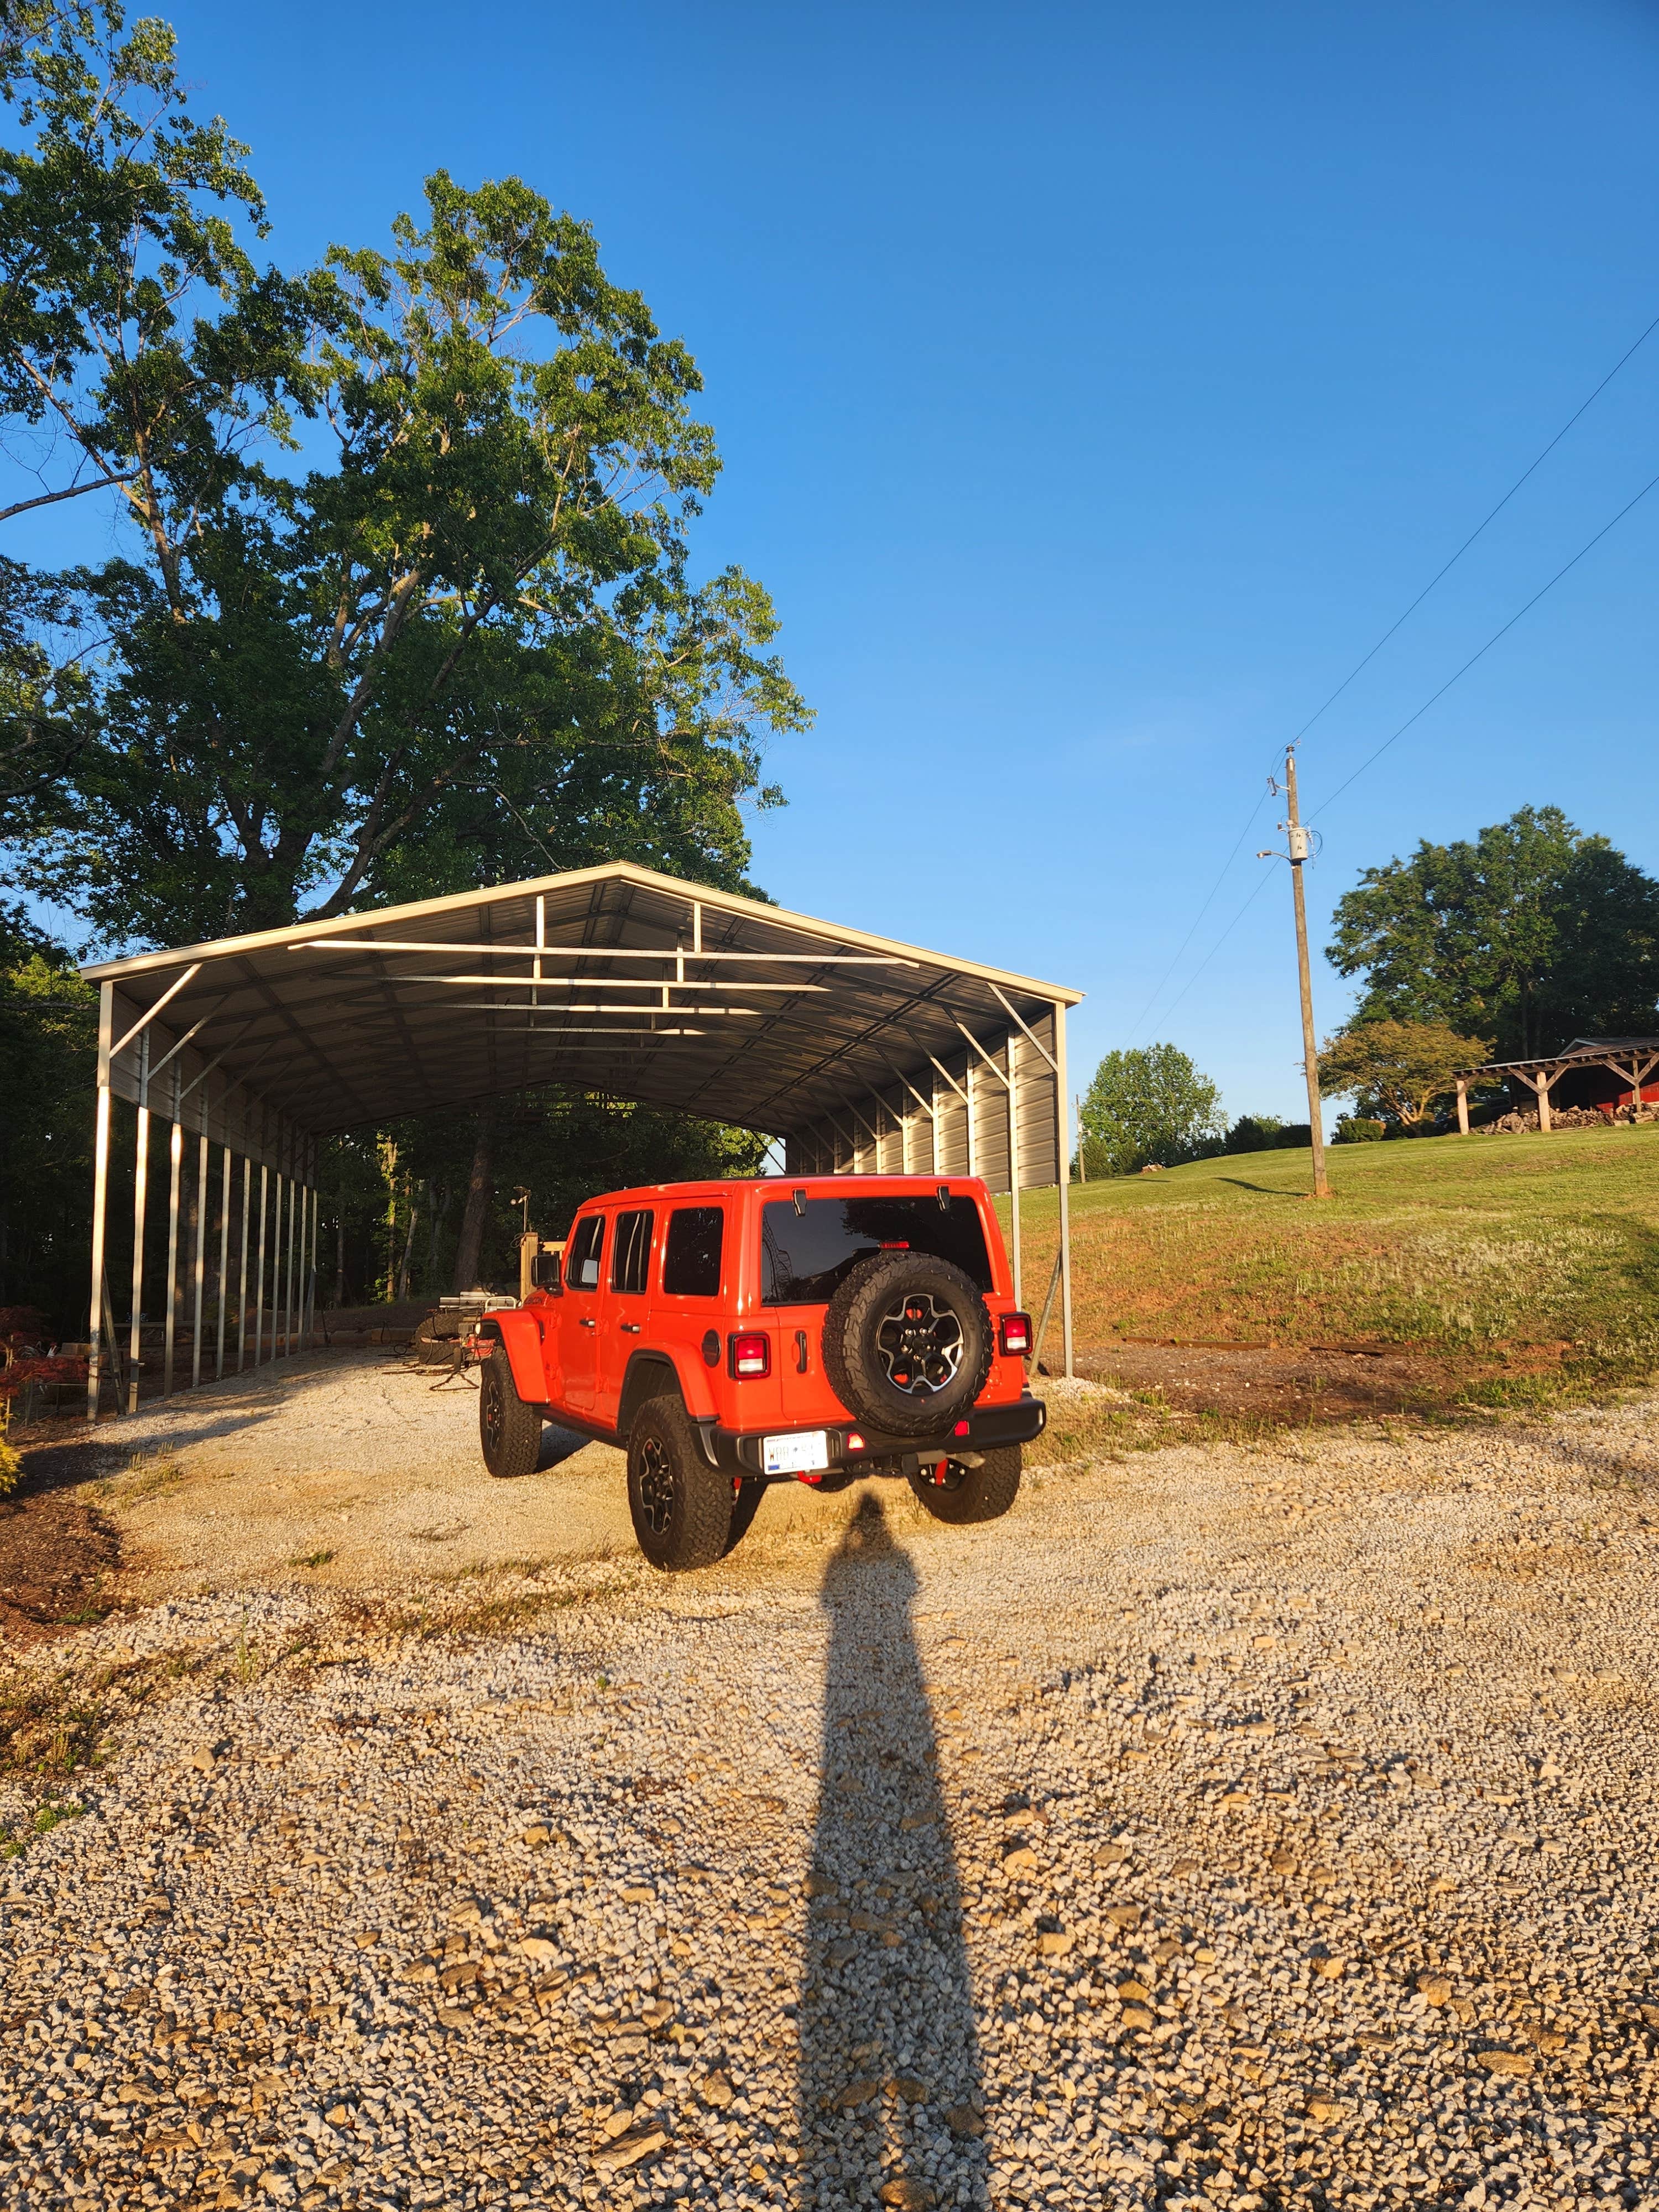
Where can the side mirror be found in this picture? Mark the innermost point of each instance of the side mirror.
(544, 1272)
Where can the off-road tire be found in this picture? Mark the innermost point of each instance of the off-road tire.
(680, 1506)
(430, 1349)
(509, 1430)
(973, 1493)
(853, 1358)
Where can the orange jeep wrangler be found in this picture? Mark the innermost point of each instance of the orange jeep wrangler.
(735, 1335)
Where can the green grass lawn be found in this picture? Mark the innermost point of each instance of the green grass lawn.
(1535, 1259)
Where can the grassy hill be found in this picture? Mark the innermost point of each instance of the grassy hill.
(1530, 1264)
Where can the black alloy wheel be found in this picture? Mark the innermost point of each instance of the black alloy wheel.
(509, 1430)
(920, 1342)
(967, 1494)
(907, 1343)
(680, 1506)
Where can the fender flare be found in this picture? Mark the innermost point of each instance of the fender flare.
(517, 1332)
(653, 1370)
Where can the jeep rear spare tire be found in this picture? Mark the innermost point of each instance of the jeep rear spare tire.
(907, 1343)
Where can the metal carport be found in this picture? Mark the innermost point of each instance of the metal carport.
(863, 1054)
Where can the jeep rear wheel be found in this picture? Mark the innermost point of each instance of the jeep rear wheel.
(509, 1430)
(971, 1493)
(907, 1343)
(681, 1507)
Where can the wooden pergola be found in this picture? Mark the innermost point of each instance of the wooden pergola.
(1633, 1060)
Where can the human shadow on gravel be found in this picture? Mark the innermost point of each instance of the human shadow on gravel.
(891, 2106)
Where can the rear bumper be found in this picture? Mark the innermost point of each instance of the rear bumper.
(737, 1452)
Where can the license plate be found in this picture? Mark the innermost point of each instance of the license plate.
(802, 1454)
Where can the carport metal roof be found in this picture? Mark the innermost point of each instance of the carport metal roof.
(865, 1055)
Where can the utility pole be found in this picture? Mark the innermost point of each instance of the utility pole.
(1299, 853)
(1300, 846)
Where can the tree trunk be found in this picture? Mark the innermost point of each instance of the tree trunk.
(480, 1191)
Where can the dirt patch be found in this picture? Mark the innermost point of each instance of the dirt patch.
(1300, 1384)
(57, 1553)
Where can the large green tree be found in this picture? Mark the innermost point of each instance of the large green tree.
(1531, 934)
(1149, 1107)
(48, 1052)
(405, 599)
(464, 640)
(1400, 1069)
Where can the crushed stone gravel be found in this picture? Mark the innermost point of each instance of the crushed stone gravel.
(1226, 1828)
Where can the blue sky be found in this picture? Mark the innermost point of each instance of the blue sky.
(1095, 386)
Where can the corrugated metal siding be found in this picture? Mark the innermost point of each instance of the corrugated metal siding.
(870, 1140)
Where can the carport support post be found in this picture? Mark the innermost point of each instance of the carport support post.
(100, 1198)
(1462, 1105)
(280, 1251)
(242, 1289)
(1064, 1171)
(201, 1257)
(140, 1199)
(1013, 1163)
(311, 1273)
(259, 1278)
(224, 1260)
(287, 1287)
(283, 1251)
(175, 1163)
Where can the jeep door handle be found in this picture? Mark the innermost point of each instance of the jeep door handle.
(586, 1322)
(630, 1328)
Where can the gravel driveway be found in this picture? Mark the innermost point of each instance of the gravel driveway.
(1246, 1829)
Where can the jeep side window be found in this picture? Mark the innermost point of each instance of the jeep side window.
(630, 1256)
(691, 1264)
(583, 1272)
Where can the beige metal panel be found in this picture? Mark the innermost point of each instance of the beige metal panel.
(1038, 1168)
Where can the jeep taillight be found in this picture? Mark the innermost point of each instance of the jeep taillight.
(748, 1354)
(1016, 1336)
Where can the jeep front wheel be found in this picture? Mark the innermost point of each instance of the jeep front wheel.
(681, 1507)
(509, 1430)
(971, 1493)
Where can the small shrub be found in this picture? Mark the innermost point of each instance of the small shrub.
(1359, 1129)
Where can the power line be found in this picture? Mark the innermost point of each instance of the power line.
(1489, 644)
(1530, 470)
(1158, 991)
(1261, 886)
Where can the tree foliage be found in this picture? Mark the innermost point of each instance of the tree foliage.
(1266, 1132)
(1532, 933)
(391, 1200)
(404, 600)
(1401, 1069)
(463, 641)
(1148, 1107)
(48, 1053)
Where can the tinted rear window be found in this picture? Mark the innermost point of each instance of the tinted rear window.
(805, 1256)
(691, 1261)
